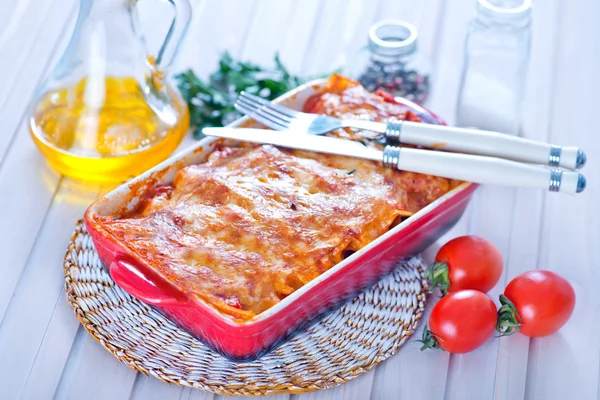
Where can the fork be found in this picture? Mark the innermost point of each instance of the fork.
(464, 140)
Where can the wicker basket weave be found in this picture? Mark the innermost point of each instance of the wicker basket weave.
(343, 345)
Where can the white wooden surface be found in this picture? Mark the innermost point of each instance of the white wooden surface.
(44, 353)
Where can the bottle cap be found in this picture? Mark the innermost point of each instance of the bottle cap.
(393, 38)
(513, 12)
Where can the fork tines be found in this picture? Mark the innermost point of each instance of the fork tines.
(263, 111)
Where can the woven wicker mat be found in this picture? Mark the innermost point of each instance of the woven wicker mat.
(340, 347)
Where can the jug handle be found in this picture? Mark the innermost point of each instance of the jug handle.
(176, 33)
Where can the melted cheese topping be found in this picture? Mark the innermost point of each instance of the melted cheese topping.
(251, 225)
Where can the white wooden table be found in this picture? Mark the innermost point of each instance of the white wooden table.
(45, 353)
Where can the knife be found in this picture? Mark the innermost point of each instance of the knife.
(465, 167)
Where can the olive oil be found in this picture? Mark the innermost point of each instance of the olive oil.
(106, 130)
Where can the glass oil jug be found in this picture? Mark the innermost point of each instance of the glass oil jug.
(106, 113)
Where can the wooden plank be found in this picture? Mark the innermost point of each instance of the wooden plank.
(448, 56)
(566, 365)
(53, 353)
(30, 51)
(200, 54)
(12, 12)
(300, 34)
(23, 207)
(39, 288)
(94, 373)
(15, 41)
(472, 374)
(441, 30)
(276, 397)
(258, 30)
(24, 170)
(301, 29)
(395, 378)
(356, 389)
(262, 40)
(149, 388)
(195, 394)
(265, 38)
(341, 30)
(209, 35)
(511, 368)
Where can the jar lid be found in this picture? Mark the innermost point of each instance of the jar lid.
(508, 11)
(393, 37)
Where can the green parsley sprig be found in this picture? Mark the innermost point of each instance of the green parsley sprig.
(211, 103)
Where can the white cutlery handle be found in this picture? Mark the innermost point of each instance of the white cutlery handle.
(480, 169)
(485, 143)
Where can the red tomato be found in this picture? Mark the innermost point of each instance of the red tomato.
(461, 322)
(543, 300)
(467, 262)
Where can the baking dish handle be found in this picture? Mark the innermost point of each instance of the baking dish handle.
(143, 285)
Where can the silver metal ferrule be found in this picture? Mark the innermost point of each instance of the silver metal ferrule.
(554, 157)
(555, 180)
(391, 156)
(392, 130)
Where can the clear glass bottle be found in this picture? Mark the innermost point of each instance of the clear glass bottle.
(391, 62)
(106, 112)
(495, 66)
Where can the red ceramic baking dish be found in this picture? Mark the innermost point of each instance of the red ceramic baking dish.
(251, 339)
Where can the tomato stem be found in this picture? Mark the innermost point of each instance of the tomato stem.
(437, 275)
(429, 340)
(509, 319)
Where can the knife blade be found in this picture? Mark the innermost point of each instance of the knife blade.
(465, 167)
(298, 141)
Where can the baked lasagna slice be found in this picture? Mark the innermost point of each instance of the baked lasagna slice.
(253, 224)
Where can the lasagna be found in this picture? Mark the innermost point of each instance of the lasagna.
(252, 224)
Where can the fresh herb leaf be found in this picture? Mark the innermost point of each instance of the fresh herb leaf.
(211, 103)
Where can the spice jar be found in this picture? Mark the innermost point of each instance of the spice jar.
(391, 62)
